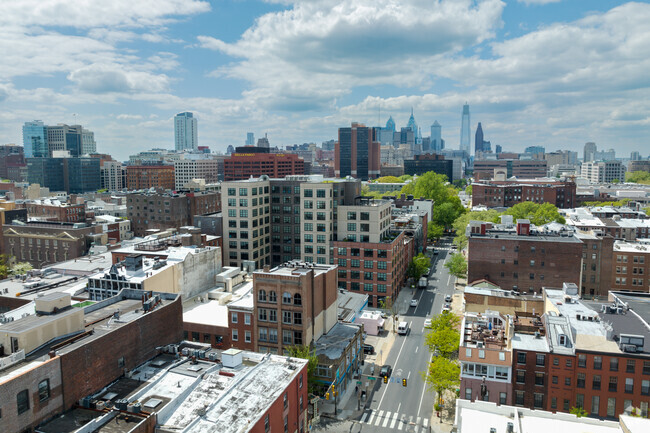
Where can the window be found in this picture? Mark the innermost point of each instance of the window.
(646, 367)
(581, 380)
(567, 381)
(645, 387)
(555, 380)
(582, 360)
(580, 400)
(286, 298)
(629, 368)
(247, 319)
(629, 385)
(553, 402)
(613, 364)
(121, 361)
(235, 335)
(595, 402)
(233, 317)
(611, 407)
(565, 404)
(297, 318)
(541, 359)
(22, 398)
(247, 336)
(613, 381)
(468, 393)
(539, 379)
(519, 398)
(598, 362)
(538, 399)
(503, 397)
(44, 390)
(261, 296)
(267, 424)
(595, 383)
(521, 376)
(521, 357)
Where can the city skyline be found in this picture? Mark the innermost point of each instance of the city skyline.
(551, 73)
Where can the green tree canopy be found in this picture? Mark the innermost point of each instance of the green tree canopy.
(418, 266)
(462, 221)
(638, 177)
(457, 265)
(445, 340)
(446, 213)
(578, 411)
(443, 374)
(21, 268)
(445, 320)
(387, 179)
(434, 231)
(304, 352)
(538, 214)
(430, 185)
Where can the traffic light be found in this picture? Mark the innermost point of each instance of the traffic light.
(385, 379)
(327, 396)
(404, 382)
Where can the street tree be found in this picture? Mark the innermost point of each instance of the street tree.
(445, 320)
(443, 374)
(303, 352)
(418, 266)
(445, 341)
(434, 231)
(457, 265)
(446, 213)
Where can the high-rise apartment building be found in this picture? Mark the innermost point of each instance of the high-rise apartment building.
(436, 143)
(187, 169)
(357, 152)
(113, 175)
(11, 157)
(603, 171)
(35, 139)
(478, 139)
(185, 132)
(589, 152)
(464, 130)
(73, 175)
(257, 161)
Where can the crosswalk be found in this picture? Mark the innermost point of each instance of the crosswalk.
(394, 421)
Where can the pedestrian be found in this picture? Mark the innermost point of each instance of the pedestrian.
(356, 389)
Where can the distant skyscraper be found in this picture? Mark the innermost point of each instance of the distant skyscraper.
(464, 130)
(635, 156)
(535, 149)
(230, 149)
(65, 137)
(185, 132)
(357, 152)
(497, 148)
(250, 139)
(264, 142)
(88, 143)
(437, 143)
(478, 139)
(414, 127)
(390, 124)
(589, 152)
(35, 139)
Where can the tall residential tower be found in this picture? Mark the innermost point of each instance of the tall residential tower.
(356, 153)
(464, 130)
(185, 132)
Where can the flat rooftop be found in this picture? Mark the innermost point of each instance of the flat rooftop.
(533, 237)
(333, 344)
(296, 268)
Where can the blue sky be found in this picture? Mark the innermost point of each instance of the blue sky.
(535, 72)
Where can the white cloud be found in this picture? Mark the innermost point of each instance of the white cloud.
(129, 117)
(538, 2)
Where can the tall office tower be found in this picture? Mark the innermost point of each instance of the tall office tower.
(498, 148)
(185, 132)
(437, 143)
(478, 139)
(264, 142)
(589, 152)
(250, 139)
(390, 124)
(88, 143)
(635, 156)
(535, 149)
(464, 130)
(414, 127)
(35, 139)
(65, 137)
(357, 152)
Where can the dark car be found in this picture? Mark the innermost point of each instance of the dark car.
(385, 371)
(368, 349)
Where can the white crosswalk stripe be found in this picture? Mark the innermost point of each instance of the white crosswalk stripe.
(378, 420)
(372, 415)
(392, 424)
(386, 419)
(363, 418)
(394, 420)
(425, 422)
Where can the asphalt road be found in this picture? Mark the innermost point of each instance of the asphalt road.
(409, 409)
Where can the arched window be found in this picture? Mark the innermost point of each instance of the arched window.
(273, 297)
(261, 296)
(297, 299)
(286, 298)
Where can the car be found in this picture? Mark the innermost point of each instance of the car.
(435, 252)
(385, 371)
(414, 302)
(448, 298)
(427, 323)
(454, 247)
(446, 308)
(368, 349)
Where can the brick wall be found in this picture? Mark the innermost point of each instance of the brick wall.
(92, 366)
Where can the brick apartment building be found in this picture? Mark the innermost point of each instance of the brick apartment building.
(525, 260)
(492, 193)
(54, 210)
(631, 266)
(248, 161)
(153, 211)
(597, 262)
(295, 304)
(150, 176)
(522, 169)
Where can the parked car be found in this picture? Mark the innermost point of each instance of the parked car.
(368, 349)
(427, 323)
(386, 371)
(447, 298)
(414, 302)
(446, 308)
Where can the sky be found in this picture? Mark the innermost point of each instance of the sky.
(555, 73)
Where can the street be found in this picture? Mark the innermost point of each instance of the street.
(393, 406)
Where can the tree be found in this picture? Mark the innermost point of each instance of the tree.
(418, 266)
(638, 177)
(538, 214)
(446, 213)
(387, 179)
(4, 266)
(434, 231)
(578, 411)
(457, 265)
(430, 185)
(444, 340)
(304, 352)
(21, 268)
(463, 220)
(443, 374)
(468, 190)
(445, 320)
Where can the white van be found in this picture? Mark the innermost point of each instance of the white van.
(402, 328)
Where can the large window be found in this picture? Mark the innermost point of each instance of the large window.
(22, 399)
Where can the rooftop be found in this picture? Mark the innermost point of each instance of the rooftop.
(295, 268)
(333, 344)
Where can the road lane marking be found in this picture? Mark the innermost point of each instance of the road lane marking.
(386, 419)
(416, 349)
(363, 418)
(395, 365)
(378, 420)
(399, 406)
(425, 422)
(392, 424)
(372, 415)
(409, 375)
(448, 280)
(400, 424)
(424, 388)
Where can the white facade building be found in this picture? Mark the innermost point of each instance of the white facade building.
(185, 132)
(603, 171)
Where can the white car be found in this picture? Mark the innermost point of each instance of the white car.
(446, 308)
(427, 323)
(414, 302)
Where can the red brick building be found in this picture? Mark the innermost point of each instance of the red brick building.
(52, 210)
(507, 193)
(243, 165)
(523, 260)
(522, 169)
(150, 176)
(631, 266)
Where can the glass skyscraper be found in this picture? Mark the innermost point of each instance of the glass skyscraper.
(464, 130)
(185, 132)
(35, 139)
